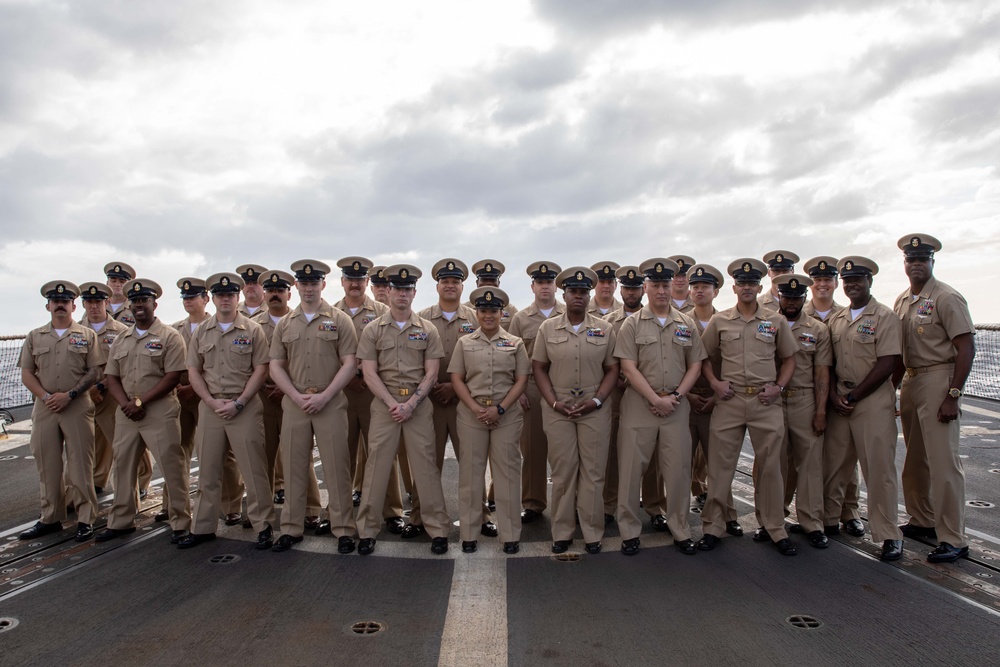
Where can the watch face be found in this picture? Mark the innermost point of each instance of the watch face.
(955, 393)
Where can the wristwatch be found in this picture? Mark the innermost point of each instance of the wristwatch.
(598, 401)
(850, 398)
(500, 410)
(72, 393)
(955, 392)
(239, 404)
(138, 402)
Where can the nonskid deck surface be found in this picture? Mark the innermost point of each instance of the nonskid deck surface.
(139, 600)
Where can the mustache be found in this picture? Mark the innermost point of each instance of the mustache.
(274, 299)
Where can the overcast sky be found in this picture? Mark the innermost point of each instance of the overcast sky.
(187, 137)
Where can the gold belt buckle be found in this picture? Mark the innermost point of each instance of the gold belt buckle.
(911, 372)
(486, 402)
(311, 390)
(788, 392)
(751, 391)
(404, 392)
(576, 392)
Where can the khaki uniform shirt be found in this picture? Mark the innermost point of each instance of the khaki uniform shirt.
(245, 312)
(506, 315)
(107, 335)
(226, 359)
(263, 318)
(813, 340)
(526, 322)
(141, 361)
(184, 329)
(400, 353)
(931, 322)
(661, 353)
(462, 324)
(367, 312)
(745, 351)
(810, 310)
(685, 307)
(594, 309)
(617, 317)
(857, 344)
(313, 350)
(124, 314)
(769, 301)
(489, 365)
(577, 358)
(59, 362)
(701, 385)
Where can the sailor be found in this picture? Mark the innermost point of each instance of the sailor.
(253, 293)
(119, 273)
(379, 284)
(754, 351)
(488, 272)
(575, 370)
(489, 371)
(938, 351)
(312, 359)
(534, 445)
(227, 362)
(680, 291)
(400, 354)
(144, 365)
(59, 363)
(660, 352)
(604, 301)
(862, 427)
(779, 263)
(362, 310)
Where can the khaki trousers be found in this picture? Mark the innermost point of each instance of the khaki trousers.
(243, 435)
(160, 432)
(933, 477)
(272, 448)
(578, 454)
(730, 422)
(328, 429)
(654, 500)
(445, 425)
(500, 447)
(643, 438)
(867, 437)
(359, 420)
(534, 450)
(418, 434)
(72, 431)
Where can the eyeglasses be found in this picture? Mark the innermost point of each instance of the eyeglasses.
(909, 259)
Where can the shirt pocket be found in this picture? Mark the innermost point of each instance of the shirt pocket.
(43, 357)
(730, 336)
(648, 348)
(241, 356)
(151, 361)
(209, 355)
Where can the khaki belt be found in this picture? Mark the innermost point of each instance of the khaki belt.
(927, 369)
(749, 391)
(661, 394)
(797, 391)
(225, 397)
(485, 401)
(401, 391)
(698, 391)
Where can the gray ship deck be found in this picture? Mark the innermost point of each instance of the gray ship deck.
(139, 600)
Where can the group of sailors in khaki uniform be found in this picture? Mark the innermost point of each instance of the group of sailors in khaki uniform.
(631, 406)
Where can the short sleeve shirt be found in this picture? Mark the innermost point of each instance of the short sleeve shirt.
(400, 353)
(59, 362)
(576, 359)
(746, 351)
(930, 322)
(462, 324)
(107, 335)
(858, 343)
(142, 361)
(313, 349)
(490, 365)
(813, 340)
(525, 323)
(506, 314)
(227, 359)
(662, 353)
(810, 310)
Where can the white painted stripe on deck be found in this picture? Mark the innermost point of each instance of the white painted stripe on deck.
(475, 627)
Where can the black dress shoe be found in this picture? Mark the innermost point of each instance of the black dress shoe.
(345, 544)
(413, 530)
(279, 497)
(592, 547)
(265, 538)
(945, 553)
(660, 523)
(831, 530)
(395, 525)
(892, 550)
(233, 518)
(795, 528)
(761, 535)
(489, 529)
(311, 522)
(560, 546)
(439, 545)
(143, 494)
(193, 540)
(734, 528)
(84, 531)
(630, 547)
(177, 535)
(285, 542)
(323, 528)
(818, 539)
(511, 547)
(356, 498)
(468, 546)
(785, 547)
(854, 528)
(98, 490)
(161, 516)
(112, 533)
(708, 542)
(366, 546)
(686, 547)
(527, 516)
(918, 532)
(40, 529)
